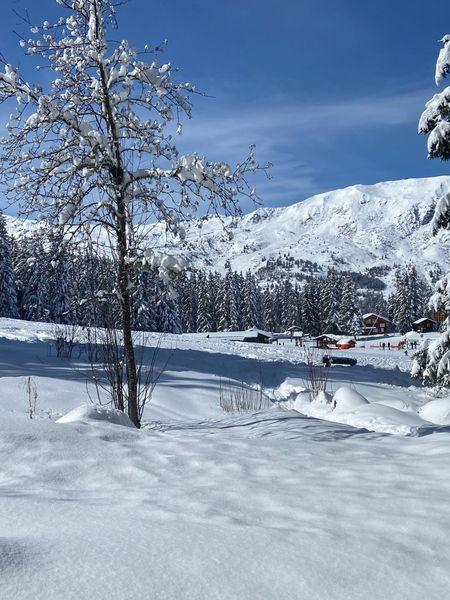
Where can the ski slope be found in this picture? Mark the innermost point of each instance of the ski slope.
(205, 505)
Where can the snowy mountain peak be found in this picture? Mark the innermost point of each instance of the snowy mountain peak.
(360, 228)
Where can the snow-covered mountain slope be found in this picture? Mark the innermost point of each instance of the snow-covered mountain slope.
(356, 228)
(362, 228)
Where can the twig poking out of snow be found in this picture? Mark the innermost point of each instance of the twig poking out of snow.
(32, 396)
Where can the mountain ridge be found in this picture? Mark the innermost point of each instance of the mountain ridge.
(358, 228)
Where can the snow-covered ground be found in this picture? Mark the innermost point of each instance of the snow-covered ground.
(200, 504)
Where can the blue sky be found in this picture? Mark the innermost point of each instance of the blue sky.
(329, 91)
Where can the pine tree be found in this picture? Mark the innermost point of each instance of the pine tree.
(311, 309)
(236, 302)
(289, 306)
(30, 268)
(252, 303)
(409, 300)
(204, 318)
(59, 279)
(399, 311)
(8, 292)
(167, 319)
(145, 300)
(225, 299)
(269, 309)
(330, 301)
(433, 362)
(349, 313)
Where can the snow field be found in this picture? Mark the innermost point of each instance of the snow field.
(202, 504)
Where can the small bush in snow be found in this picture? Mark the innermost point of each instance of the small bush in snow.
(316, 373)
(65, 340)
(241, 398)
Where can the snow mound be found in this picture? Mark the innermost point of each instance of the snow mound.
(87, 413)
(346, 399)
(436, 411)
(396, 403)
(382, 418)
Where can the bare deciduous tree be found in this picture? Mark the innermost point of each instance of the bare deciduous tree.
(93, 149)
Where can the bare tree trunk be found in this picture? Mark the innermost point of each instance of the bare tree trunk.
(126, 307)
(123, 271)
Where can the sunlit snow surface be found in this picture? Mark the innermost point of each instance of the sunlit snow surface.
(205, 505)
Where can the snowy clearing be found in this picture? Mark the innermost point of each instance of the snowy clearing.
(202, 504)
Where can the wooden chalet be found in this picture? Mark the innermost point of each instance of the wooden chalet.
(345, 343)
(255, 336)
(374, 324)
(439, 316)
(326, 340)
(294, 329)
(424, 325)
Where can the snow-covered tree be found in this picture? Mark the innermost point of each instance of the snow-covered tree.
(289, 307)
(330, 296)
(204, 305)
(30, 265)
(236, 302)
(59, 280)
(349, 313)
(311, 317)
(145, 300)
(252, 303)
(8, 292)
(433, 361)
(167, 319)
(93, 148)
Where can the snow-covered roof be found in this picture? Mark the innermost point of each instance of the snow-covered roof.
(254, 332)
(239, 335)
(331, 336)
(346, 341)
(422, 320)
(367, 315)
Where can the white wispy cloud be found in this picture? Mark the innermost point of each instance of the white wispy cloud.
(284, 132)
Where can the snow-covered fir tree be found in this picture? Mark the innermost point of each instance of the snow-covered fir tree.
(349, 313)
(252, 300)
(311, 314)
(30, 266)
(409, 300)
(433, 361)
(205, 320)
(289, 305)
(8, 291)
(145, 300)
(59, 278)
(167, 318)
(330, 295)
